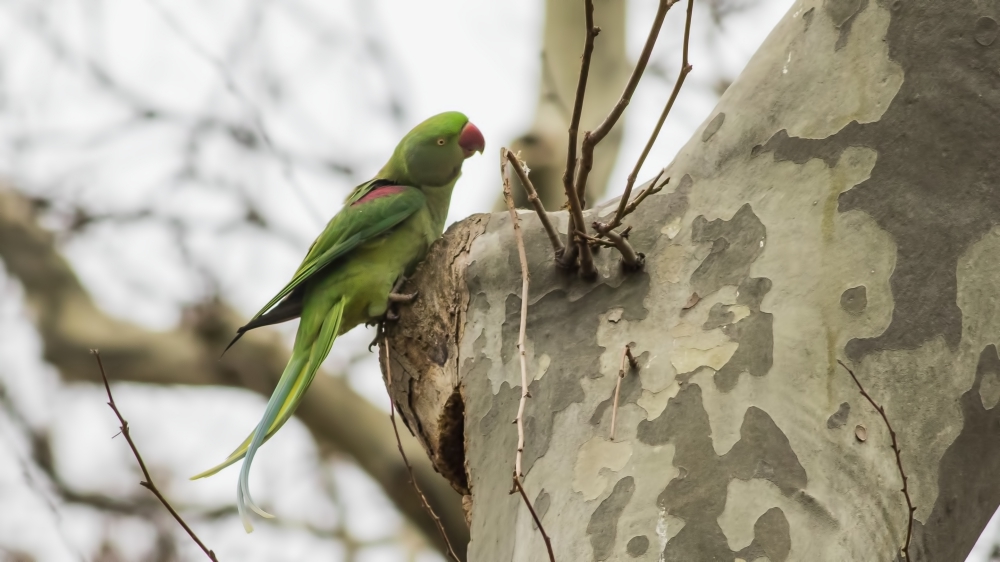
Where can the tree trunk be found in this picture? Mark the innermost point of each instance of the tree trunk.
(841, 203)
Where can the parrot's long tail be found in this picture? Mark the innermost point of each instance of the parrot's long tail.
(298, 374)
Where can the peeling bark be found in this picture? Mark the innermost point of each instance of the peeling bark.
(841, 202)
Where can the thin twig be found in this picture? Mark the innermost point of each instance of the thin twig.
(522, 329)
(574, 247)
(653, 188)
(685, 70)
(899, 461)
(631, 259)
(592, 138)
(525, 277)
(616, 219)
(148, 482)
(594, 240)
(538, 522)
(529, 188)
(406, 461)
(626, 356)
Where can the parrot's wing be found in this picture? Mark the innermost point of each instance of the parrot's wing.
(373, 209)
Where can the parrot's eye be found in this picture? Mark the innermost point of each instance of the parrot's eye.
(441, 142)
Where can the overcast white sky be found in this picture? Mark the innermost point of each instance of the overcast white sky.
(331, 83)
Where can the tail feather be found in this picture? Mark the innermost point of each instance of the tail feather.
(298, 374)
(288, 309)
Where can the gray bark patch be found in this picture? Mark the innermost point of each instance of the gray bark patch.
(755, 354)
(808, 17)
(603, 526)
(637, 546)
(854, 300)
(763, 452)
(718, 316)
(986, 31)
(754, 334)
(553, 321)
(736, 244)
(713, 127)
(698, 495)
(839, 418)
(772, 538)
(966, 464)
(542, 504)
(842, 13)
(935, 187)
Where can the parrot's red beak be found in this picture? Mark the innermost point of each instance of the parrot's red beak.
(471, 140)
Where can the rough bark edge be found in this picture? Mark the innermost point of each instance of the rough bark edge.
(426, 388)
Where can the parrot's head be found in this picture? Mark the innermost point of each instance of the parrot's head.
(432, 153)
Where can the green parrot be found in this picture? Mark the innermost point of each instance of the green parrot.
(349, 275)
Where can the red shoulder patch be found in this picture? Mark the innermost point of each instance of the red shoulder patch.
(381, 191)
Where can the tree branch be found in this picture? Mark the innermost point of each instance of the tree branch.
(522, 329)
(685, 70)
(148, 482)
(575, 247)
(543, 217)
(899, 461)
(592, 138)
(633, 364)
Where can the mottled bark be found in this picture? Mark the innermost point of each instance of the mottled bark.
(70, 325)
(841, 202)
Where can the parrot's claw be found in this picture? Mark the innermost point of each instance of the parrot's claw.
(403, 297)
(398, 285)
(396, 297)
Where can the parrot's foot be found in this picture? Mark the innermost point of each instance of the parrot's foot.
(379, 333)
(395, 299)
(403, 297)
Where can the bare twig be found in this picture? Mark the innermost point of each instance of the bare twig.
(685, 70)
(406, 461)
(592, 138)
(625, 208)
(653, 188)
(899, 461)
(529, 188)
(148, 482)
(573, 246)
(525, 277)
(594, 240)
(630, 258)
(522, 329)
(626, 356)
(538, 522)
